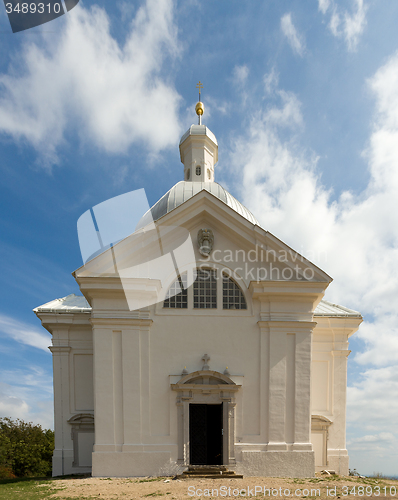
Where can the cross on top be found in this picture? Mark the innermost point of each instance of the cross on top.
(200, 87)
(206, 358)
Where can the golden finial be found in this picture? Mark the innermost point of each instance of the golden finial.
(199, 108)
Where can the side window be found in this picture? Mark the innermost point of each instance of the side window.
(177, 295)
(232, 295)
(205, 289)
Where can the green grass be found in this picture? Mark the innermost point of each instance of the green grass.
(26, 489)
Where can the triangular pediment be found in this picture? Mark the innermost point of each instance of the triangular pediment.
(240, 248)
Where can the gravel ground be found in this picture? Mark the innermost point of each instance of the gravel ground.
(178, 489)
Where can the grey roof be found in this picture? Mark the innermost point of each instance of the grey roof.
(185, 190)
(70, 304)
(199, 130)
(77, 303)
(325, 308)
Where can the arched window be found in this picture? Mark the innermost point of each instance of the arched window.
(177, 295)
(205, 289)
(188, 174)
(232, 295)
(198, 170)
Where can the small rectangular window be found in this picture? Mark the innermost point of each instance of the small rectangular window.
(205, 289)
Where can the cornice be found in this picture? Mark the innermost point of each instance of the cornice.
(59, 349)
(288, 325)
(112, 322)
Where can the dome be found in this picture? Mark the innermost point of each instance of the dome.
(183, 191)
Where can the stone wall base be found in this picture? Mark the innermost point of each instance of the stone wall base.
(132, 464)
(277, 463)
(338, 462)
(62, 464)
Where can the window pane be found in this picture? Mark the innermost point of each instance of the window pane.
(205, 289)
(232, 296)
(177, 295)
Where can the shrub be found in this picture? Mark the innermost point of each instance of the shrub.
(25, 449)
(6, 472)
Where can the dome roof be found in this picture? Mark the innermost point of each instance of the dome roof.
(199, 130)
(183, 191)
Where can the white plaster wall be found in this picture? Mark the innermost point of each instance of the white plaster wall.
(329, 384)
(267, 349)
(73, 386)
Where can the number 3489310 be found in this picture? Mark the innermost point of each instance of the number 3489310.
(33, 8)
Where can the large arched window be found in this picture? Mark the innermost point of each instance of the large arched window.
(205, 289)
(232, 295)
(204, 292)
(177, 295)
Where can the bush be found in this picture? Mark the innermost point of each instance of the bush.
(25, 449)
(6, 473)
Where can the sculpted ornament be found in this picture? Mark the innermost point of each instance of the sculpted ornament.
(205, 241)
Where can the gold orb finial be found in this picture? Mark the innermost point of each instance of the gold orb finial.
(199, 108)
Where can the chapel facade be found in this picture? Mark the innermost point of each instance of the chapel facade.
(231, 358)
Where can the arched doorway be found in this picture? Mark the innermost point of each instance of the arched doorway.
(206, 418)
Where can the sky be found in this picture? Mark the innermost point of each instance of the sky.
(303, 99)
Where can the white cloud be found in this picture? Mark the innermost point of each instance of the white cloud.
(355, 236)
(365, 397)
(23, 333)
(381, 340)
(27, 395)
(240, 74)
(83, 76)
(354, 24)
(323, 5)
(271, 81)
(295, 40)
(13, 407)
(374, 438)
(288, 115)
(345, 24)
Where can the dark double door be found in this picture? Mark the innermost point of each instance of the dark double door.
(205, 434)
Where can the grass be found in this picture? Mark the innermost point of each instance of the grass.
(26, 489)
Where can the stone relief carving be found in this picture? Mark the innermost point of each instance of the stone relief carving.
(205, 241)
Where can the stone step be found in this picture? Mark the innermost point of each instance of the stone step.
(214, 473)
(204, 471)
(209, 472)
(207, 467)
(212, 476)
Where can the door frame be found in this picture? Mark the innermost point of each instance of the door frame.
(206, 387)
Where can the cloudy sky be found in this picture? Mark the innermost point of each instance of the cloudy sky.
(303, 99)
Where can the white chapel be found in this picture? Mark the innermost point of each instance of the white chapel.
(199, 339)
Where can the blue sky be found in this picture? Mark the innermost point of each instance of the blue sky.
(303, 99)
